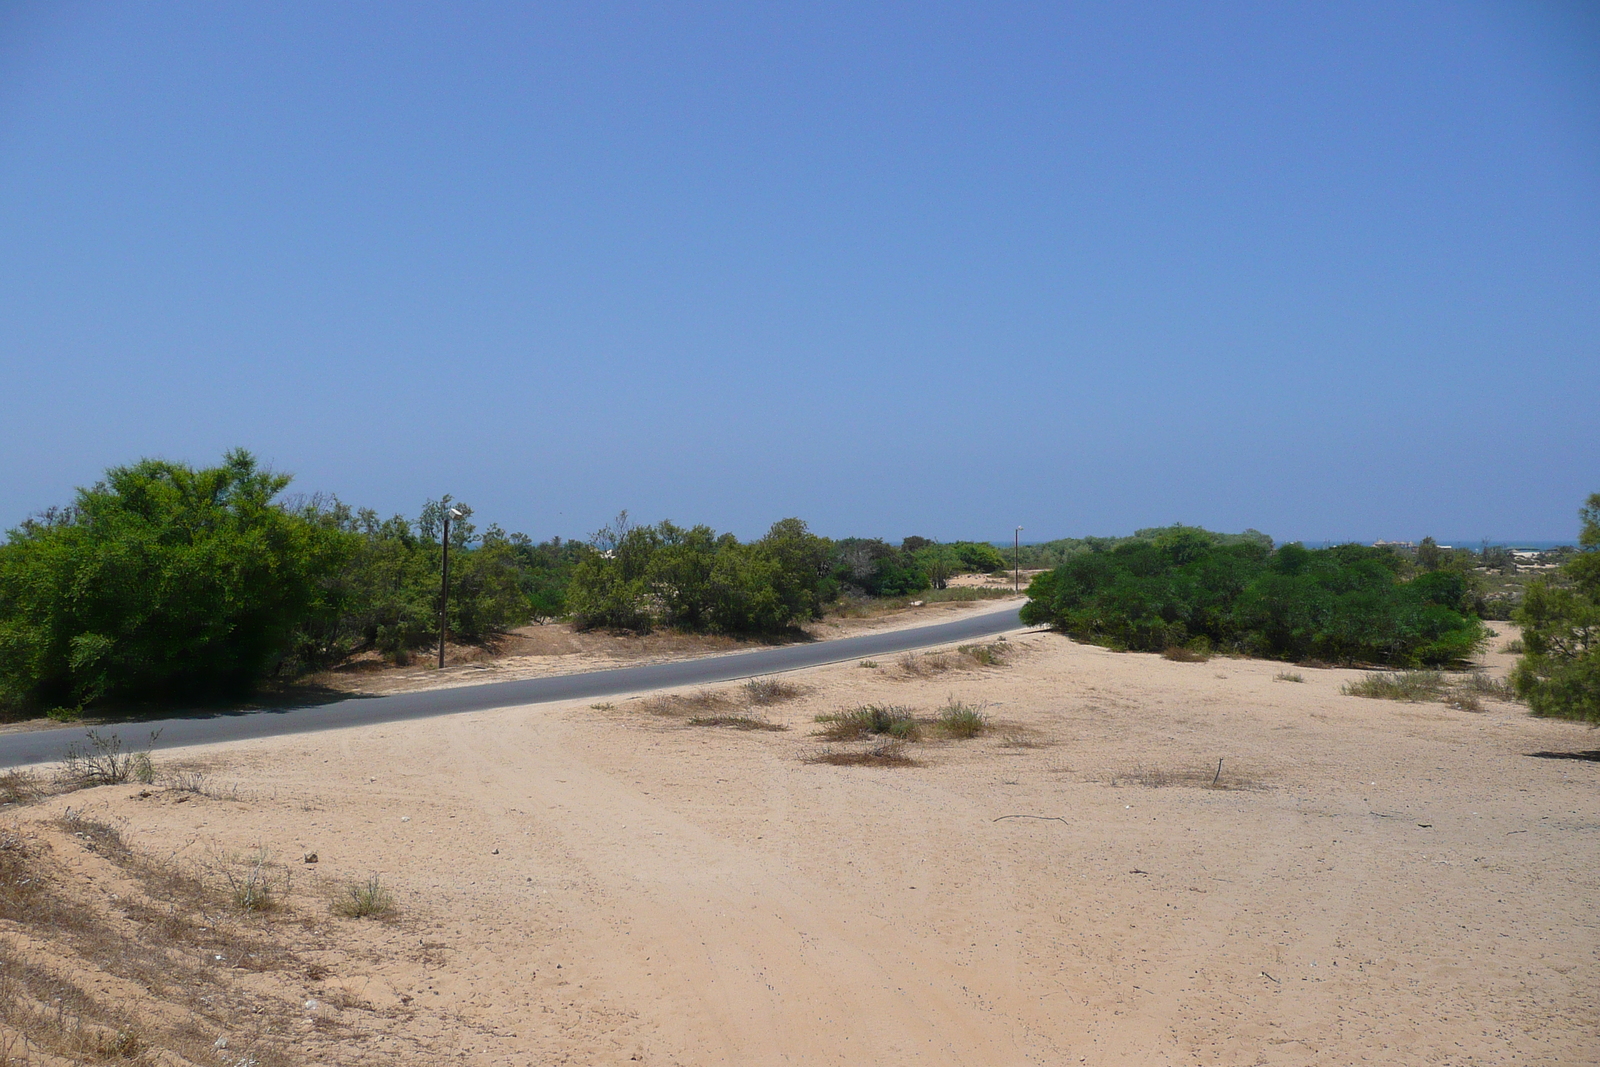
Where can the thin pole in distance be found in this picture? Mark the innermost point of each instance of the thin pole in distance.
(1016, 560)
(444, 581)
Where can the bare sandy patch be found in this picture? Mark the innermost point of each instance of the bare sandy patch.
(557, 648)
(1361, 881)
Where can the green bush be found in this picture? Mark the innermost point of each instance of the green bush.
(164, 582)
(1345, 604)
(1559, 673)
(641, 577)
(160, 582)
(875, 568)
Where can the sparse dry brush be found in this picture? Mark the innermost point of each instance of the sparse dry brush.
(370, 899)
(1465, 691)
(739, 722)
(209, 946)
(964, 657)
(961, 720)
(175, 936)
(1220, 777)
(100, 760)
(890, 753)
(764, 692)
(855, 724)
(679, 705)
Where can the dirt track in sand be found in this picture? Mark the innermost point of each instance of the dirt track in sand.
(1372, 882)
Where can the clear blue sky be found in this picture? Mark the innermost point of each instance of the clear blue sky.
(1328, 270)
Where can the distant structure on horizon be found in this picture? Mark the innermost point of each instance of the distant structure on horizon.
(1396, 544)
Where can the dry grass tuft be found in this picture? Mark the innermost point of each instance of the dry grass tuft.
(964, 657)
(992, 654)
(1465, 692)
(738, 722)
(923, 664)
(1288, 676)
(1478, 684)
(678, 705)
(869, 720)
(963, 721)
(1180, 654)
(260, 884)
(365, 900)
(1219, 777)
(20, 786)
(1018, 738)
(764, 692)
(1410, 686)
(885, 754)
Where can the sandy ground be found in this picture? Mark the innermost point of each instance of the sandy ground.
(1372, 882)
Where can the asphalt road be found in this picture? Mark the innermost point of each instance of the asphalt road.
(204, 728)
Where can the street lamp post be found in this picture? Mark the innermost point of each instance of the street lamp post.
(1016, 560)
(444, 581)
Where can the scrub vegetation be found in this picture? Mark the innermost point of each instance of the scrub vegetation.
(165, 583)
(1559, 673)
(1191, 590)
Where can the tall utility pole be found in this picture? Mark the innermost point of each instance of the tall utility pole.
(444, 581)
(1016, 559)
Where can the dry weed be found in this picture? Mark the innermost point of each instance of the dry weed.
(885, 754)
(20, 786)
(738, 722)
(764, 692)
(855, 724)
(961, 720)
(1219, 777)
(1018, 738)
(677, 705)
(365, 900)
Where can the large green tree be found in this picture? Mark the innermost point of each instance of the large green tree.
(162, 581)
(1560, 673)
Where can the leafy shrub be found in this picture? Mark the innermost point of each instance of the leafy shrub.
(1559, 673)
(877, 569)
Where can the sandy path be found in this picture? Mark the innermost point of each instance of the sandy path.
(1387, 883)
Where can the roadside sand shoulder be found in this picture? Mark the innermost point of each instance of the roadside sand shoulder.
(1371, 882)
(542, 651)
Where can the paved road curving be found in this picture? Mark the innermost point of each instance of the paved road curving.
(204, 728)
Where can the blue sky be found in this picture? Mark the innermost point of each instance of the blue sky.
(1328, 270)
